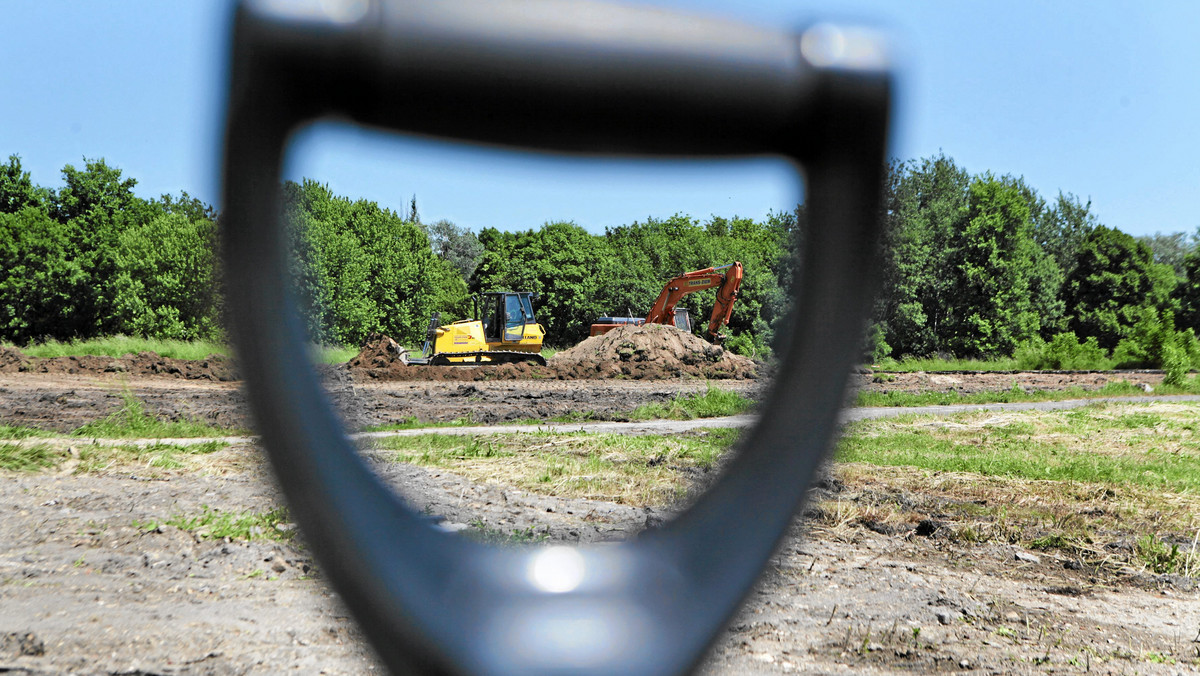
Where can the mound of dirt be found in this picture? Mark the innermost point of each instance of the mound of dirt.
(648, 352)
(212, 367)
(379, 352)
(12, 360)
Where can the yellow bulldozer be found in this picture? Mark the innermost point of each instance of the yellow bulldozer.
(503, 331)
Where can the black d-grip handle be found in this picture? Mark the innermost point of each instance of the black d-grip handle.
(571, 77)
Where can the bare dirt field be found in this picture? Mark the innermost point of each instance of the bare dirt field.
(91, 581)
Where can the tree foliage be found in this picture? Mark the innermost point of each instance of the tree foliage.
(990, 262)
(41, 279)
(17, 190)
(1170, 249)
(561, 262)
(924, 203)
(1187, 292)
(1114, 282)
(166, 284)
(973, 265)
(457, 246)
(360, 268)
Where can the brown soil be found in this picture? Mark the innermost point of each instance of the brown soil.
(85, 589)
(213, 367)
(971, 383)
(65, 403)
(651, 351)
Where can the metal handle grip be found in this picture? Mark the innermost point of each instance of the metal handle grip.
(565, 76)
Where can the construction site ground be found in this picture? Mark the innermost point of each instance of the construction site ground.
(86, 586)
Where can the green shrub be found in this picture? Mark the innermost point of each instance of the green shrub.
(1063, 352)
(1154, 343)
(877, 346)
(1175, 364)
(1030, 354)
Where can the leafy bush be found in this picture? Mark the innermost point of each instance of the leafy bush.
(362, 269)
(1063, 352)
(166, 284)
(1175, 365)
(1153, 342)
(748, 345)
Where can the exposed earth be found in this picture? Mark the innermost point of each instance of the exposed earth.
(89, 585)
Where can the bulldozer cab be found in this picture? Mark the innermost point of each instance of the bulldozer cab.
(505, 315)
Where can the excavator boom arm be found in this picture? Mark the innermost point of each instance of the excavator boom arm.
(663, 310)
(723, 308)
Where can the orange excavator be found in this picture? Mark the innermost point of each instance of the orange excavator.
(664, 311)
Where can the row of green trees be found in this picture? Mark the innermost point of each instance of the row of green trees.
(982, 265)
(974, 266)
(92, 258)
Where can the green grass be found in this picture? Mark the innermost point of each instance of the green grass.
(117, 346)
(332, 354)
(1086, 482)
(132, 422)
(14, 432)
(569, 417)
(1112, 389)
(27, 458)
(215, 524)
(714, 403)
(1167, 558)
(480, 532)
(440, 450)
(934, 364)
(96, 457)
(627, 469)
(412, 423)
(128, 422)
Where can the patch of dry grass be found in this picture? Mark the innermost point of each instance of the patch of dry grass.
(65, 456)
(94, 458)
(630, 470)
(1112, 485)
(1152, 445)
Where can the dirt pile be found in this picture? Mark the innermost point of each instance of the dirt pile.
(648, 352)
(213, 367)
(12, 360)
(379, 352)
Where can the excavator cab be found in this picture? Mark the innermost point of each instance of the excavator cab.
(683, 319)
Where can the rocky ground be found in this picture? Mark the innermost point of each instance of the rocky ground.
(89, 583)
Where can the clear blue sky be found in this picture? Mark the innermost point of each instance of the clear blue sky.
(1100, 99)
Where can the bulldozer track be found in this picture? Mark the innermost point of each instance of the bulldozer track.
(495, 357)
